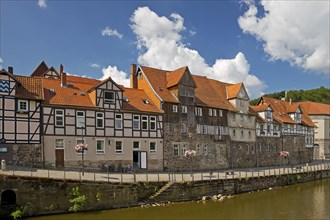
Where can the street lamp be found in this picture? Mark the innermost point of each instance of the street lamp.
(82, 147)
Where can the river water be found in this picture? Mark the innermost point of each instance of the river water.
(303, 201)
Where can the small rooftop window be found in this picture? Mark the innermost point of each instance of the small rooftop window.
(52, 91)
(125, 99)
(82, 93)
(145, 101)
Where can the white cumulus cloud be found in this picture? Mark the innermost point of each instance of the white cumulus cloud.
(1, 61)
(120, 77)
(42, 3)
(111, 32)
(292, 31)
(160, 45)
(95, 65)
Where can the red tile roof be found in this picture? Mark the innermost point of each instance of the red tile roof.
(212, 93)
(315, 108)
(261, 107)
(29, 88)
(233, 90)
(173, 77)
(71, 95)
(282, 108)
(138, 101)
(157, 79)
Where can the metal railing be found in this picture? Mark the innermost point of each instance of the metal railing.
(131, 177)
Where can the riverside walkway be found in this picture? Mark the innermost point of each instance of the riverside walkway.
(67, 174)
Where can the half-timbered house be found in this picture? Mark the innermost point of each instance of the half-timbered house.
(122, 127)
(284, 126)
(20, 114)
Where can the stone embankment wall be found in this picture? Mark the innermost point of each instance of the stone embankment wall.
(50, 196)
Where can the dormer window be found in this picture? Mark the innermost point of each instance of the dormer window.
(22, 106)
(109, 96)
(268, 114)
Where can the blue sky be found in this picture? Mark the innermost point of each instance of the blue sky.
(286, 48)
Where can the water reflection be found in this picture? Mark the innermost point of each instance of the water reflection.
(304, 201)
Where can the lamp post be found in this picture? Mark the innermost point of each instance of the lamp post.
(81, 148)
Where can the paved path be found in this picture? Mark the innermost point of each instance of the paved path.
(185, 176)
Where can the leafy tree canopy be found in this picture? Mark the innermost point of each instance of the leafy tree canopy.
(321, 95)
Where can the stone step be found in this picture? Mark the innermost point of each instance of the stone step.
(161, 190)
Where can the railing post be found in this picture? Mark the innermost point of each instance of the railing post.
(94, 175)
(121, 176)
(108, 175)
(158, 176)
(48, 172)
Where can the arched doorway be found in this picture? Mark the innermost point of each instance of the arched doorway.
(8, 197)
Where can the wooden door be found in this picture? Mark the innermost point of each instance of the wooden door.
(59, 157)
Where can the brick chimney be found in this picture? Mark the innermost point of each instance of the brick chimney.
(133, 78)
(10, 69)
(63, 77)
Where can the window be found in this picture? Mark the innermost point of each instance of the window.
(206, 151)
(241, 117)
(3, 149)
(100, 149)
(175, 149)
(220, 113)
(249, 134)
(109, 97)
(250, 119)
(198, 111)
(262, 129)
(119, 147)
(205, 129)
(22, 105)
(4, 86)
(136, 122)
(199, 129)
(100, 120)
(183, 128)
(268, 128)
(59, 118)
(184, 149)
(144, 122)
(80, 118)
(242, 134)
(234, 117)
(234, 133)
(210, 112)
(152, 147)
(198, 149)
(214, 112)
(175, 108)
(59, 143)
(118, 121)
(184, 109)
(153, 123)
(136, 145)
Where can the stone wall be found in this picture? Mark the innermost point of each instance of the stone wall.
(211, 159)
(49, 196)
(27, 154)
(224, 153)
